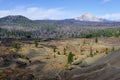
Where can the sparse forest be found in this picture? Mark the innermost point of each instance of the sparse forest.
(20, 27)
(59, 33)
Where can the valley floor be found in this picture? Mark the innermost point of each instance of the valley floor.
(49, 60)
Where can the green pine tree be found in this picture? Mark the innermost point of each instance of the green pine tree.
(70, 58)
(91, 52)
(96, 40)
(36, 43)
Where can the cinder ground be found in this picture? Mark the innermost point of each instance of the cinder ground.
(45, 63)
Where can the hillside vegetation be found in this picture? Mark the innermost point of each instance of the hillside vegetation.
(19, 27)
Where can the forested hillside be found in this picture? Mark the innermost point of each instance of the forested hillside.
(20, 27)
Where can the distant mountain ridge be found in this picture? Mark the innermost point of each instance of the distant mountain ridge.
(20, 27)
(17, 18)
(83, 20)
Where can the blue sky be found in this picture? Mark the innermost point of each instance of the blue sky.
(60, 9)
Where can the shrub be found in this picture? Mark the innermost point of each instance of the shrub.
(36, 43)
(106, 51)
(113, 48)
(96, 40)
(91, 52)
(58, 52)
(17, 46)
(70, 58)
(22, 56)
(84, 42)
(97, 51)
(54, 55)
(82, 53)
(64, 51)
(80, 63)
(54, 50)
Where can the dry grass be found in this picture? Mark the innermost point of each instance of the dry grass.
(80, 47)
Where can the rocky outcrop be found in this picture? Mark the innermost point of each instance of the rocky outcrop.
(13, 58)
(13, 66)
(16, 74)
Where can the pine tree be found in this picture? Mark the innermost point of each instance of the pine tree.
(96, 40)
(65, 51)
(113, 48)
(106, 51)
(17, 46)
(91, 52)
(36, 43)
(70, 58)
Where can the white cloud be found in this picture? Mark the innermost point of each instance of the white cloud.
(40, 13)
(105, 1)
(114, 16)
(52, 13)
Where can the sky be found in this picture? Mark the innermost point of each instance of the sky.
(60, 9)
